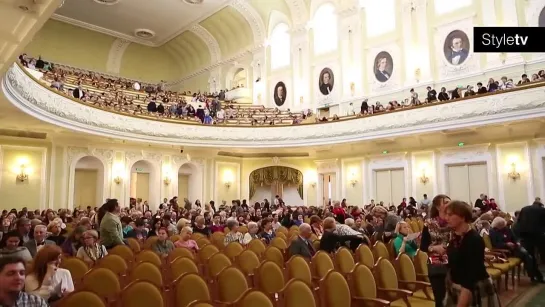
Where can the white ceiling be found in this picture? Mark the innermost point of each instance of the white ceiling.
(166, 18)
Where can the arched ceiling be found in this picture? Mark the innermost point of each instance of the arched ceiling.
(265, 8)
(189, 51)
(230, 29)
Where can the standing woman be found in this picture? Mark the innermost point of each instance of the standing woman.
(435, 237)
(468, 282)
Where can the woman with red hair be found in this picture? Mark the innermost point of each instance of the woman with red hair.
(45, 278)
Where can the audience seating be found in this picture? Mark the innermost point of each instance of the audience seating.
(258, 275)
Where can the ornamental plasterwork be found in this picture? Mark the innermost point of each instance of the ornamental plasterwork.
(132, 157)
(113, 65)
(105, 155)
(253, 18)
(388, 161)
(299, 11)
(209, 40)
(44, 104)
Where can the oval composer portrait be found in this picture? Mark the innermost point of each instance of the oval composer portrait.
(279, 93)
(456, 47)
(383, 66)
(326, 81)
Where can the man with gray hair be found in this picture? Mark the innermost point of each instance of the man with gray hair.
(34, 245)
(302, 245)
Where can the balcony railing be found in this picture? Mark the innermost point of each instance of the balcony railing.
(31, 96)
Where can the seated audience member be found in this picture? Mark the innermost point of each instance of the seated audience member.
(389, 219)
(251, 234)
(23, 226)
(200, 226)
(162, 246)
(39, 241)
(126, 225)
(233, 235)
(167, 224)
(55, 229)
(12, 283)
(45, 278)
(216, 224)
(139, 232)
(502, 237)
(111, 230)
(185, 240)
(485, 228)
(267, 233)
(155, 226)
(302, 246)
(12, 246)
(401, 244)
(91, 251)
(331, 241)
(316, 226)
(74, 241)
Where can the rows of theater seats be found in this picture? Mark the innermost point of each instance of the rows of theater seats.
(242, 113)
(257, 275)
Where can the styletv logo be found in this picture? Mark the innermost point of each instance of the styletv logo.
(508, 39)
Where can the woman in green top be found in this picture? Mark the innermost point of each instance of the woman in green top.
(401, 243)
(162, 246)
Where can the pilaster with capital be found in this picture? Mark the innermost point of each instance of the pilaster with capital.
(215, 81)
(260, 71)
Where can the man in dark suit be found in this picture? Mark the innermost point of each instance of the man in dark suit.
(457, 55)
(280, 95)
(381, 72)
(302, 245)
(78, 92)
(34, 245)
(326, 86)
(531, 228)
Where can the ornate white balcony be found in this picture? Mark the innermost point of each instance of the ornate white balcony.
(32, 97)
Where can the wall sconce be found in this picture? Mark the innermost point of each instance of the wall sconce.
(417, 74)
(313, 184)
(503, 57)
(513, 174)
(301, 99)
(118, 179)
(22, 176)
(166, 181)
(227, 184)
(228, 178)
(424, 179)
(353, 182)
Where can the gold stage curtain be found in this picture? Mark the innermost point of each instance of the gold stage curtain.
(276, 174)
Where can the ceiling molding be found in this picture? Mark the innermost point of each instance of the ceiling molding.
(209, 40)
(137, 40)
(113, 65)
(254, 20)
(102, 30)
(299, 12)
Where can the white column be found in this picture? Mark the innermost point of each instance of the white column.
(350, 44)
(510, 19)
(300, 67)
(259, 68)
(408, 42)
(423, 59)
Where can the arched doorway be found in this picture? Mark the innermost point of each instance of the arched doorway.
(145, 182)
(267, 182)
(239, 78)
(188, 183)
(88, 188)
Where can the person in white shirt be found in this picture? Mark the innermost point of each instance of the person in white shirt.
(220, 115)
(425, 203)
(46, 279)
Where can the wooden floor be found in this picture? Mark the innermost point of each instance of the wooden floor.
(525, 294)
